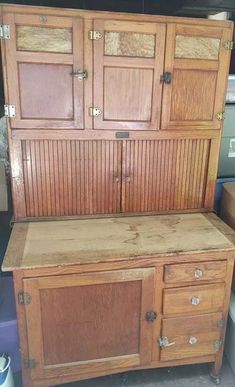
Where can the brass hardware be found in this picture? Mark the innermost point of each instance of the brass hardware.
(229, 45)
(192, 340)
(217, 344)
(198, 273)
(151, 316)
(122, 134)
(195, 300)
(166, 77)
(80, 74)
(127, 179)
(43, 19)
(24, 298)
(220, 323)
(95, 35)
(4, 31)
(10, 111)
(94, 112)
(116, 179)
(164, 342)
(220, 116)
(30, 363)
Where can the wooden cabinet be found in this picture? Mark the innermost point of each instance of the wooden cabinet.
(100, 296)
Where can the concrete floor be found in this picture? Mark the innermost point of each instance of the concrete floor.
(183, 376)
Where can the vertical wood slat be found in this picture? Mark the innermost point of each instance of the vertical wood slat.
(65, 178)
(169, 175)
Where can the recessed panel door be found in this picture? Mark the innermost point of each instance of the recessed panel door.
(128, 62)
(44, 58)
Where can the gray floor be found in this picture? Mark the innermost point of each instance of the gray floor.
(183, 376)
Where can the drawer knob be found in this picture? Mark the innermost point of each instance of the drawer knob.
(195, 300)
(151, 316)
(192, 340)
(198, 273)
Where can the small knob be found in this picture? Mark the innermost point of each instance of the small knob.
(116, 179)
(151, 316)
(195, 300)
(198, 273)
(192, 340)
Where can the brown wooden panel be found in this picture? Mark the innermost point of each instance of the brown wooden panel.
(71, 177)
(196, 47)
(129, 44)
(193, 94)
(43, 39)
(181, 300)
(46, 91)
(203, 330)
(135, 88)
(164, 175)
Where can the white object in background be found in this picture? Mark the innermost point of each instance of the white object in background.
(6, 377)
(230, 96)
(231, 151)
(3, 188)
(220, 16)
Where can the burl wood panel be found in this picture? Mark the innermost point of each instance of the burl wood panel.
(44, 39)
(203, 328)
(95, 321)
(193, 95)
(134, 87)
(129, 44)
(164, 175)
(71, 177)
(197, 47)
(46, 91)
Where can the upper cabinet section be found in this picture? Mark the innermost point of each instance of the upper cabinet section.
(198, 63)
(44, 56)
(128, 63)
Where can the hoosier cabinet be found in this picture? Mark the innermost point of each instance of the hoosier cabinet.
(114, 127)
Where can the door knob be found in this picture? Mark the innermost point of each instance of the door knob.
(151, 316)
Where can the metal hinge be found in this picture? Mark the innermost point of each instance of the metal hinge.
(94, 112)
(220, 116)
(220, 323)
(4, 31)
(217, 344)
(29, 362)
(229, 45)
(95, 35)
(24, 298)
(10, 110)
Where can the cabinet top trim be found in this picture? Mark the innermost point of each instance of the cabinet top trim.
(55, 243)
(86, 14)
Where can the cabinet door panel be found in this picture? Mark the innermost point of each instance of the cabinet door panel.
(90, 320)
(42, 54)
(128, 62)
(198, 62)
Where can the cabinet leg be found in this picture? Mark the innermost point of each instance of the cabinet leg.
(215, 375)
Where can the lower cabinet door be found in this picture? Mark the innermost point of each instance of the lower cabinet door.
(188, 337)
(88, 323)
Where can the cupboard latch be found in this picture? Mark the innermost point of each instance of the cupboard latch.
(220, 116)
(164, 342)
(166, 77)
(229, 45)
(95, 35)
(10, 110)
(30, 362)
(24, 298)
(4, 31)
(94, 112)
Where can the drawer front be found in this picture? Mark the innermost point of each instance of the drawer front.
(196, 271)
(187, 337)
(193, 299)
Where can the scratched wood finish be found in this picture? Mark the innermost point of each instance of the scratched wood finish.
(71, 177)
(164, 175)
(41, 39)
(196, 47)
(129, 44)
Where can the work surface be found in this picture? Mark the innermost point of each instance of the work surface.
(36, 244)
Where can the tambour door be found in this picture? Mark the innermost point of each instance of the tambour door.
(128, 63)
(198, 63)
(96, 321)
(44, 55)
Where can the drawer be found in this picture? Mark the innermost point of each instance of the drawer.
(194, 299)
(196, 271)
(186, 337)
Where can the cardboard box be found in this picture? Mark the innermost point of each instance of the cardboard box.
(3, 188)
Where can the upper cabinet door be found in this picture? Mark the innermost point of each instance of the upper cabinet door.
(128, 63)
(198, 64)
(42, 55)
